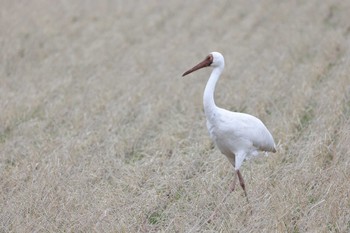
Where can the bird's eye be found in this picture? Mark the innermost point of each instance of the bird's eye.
(210, 58)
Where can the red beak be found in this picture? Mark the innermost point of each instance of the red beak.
(207, 62)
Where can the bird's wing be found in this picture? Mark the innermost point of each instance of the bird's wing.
(250, 128)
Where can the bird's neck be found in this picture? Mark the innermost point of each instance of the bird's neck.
(208, 97)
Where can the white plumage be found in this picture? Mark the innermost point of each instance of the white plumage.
(240, 135)
(237, 135)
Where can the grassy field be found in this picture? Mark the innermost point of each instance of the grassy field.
(99, 132)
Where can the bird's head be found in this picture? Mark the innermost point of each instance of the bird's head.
(214, 59)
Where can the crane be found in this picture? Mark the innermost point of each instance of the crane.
(237, 135)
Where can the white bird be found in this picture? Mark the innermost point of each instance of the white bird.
(237, 135)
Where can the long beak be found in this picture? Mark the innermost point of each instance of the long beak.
(201, 65)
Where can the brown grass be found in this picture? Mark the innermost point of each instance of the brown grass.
(98, 132)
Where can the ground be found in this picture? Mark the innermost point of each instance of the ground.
(100, 133)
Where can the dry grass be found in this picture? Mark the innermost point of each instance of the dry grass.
(98, 132)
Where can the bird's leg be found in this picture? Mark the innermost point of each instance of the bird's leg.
(232, 188)
(233, 185)
(241, 182)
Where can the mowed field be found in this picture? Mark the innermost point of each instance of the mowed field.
(100, 133)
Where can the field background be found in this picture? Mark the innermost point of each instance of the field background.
(99, 131)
